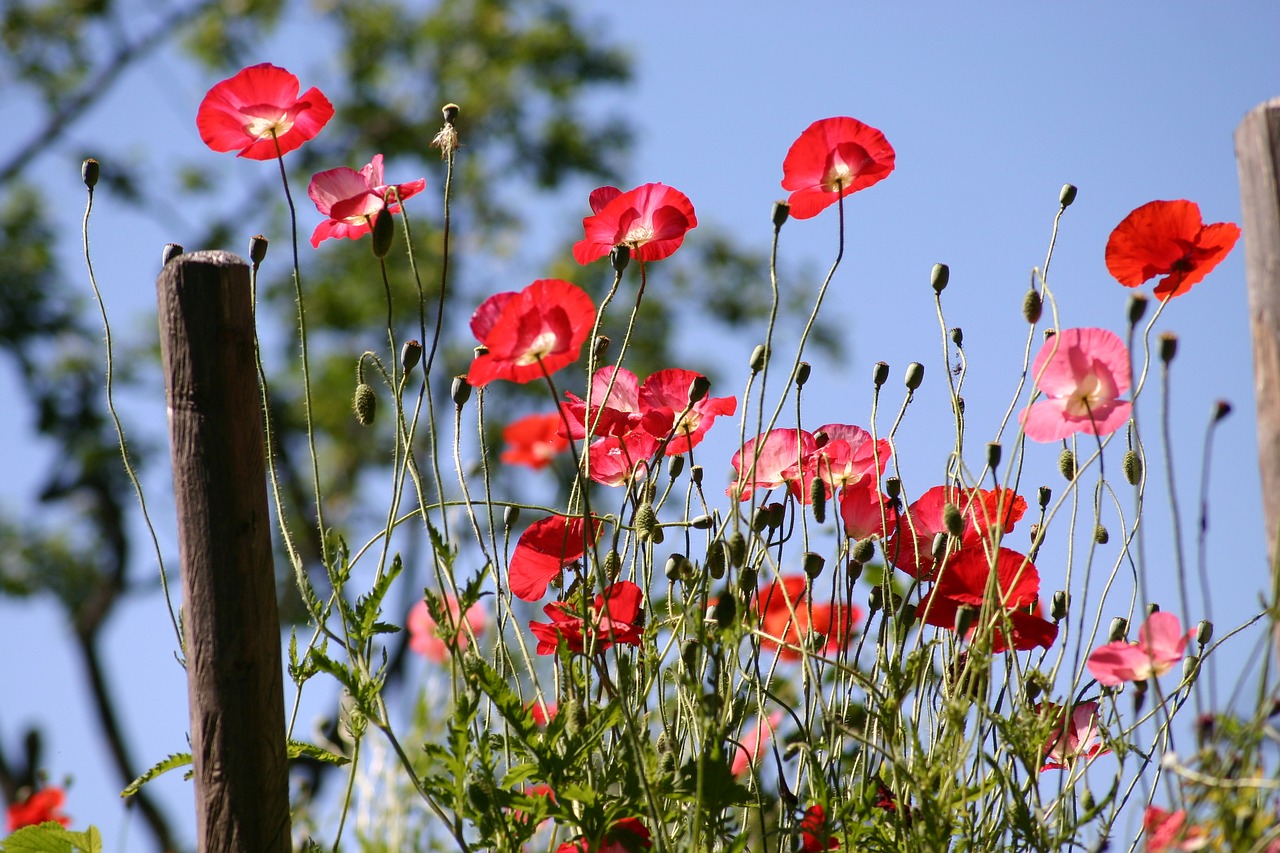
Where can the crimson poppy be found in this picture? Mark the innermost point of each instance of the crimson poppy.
(616, 617)
(40, 807)
(352, 199)
(534, 440)
(529, 333)
(788, 616)
(546, 547)
(911, 548)
(258, 113)
(650, 220)
(831, 159)
(815, 832)
(1168, 238)
(963, 582)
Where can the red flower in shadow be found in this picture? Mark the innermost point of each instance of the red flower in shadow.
(788, 616)
(616, 616)
(815, 832)
(530, 333)
(534, 440)
(911, 548)
(1168, 238)
(546, 547)
(833, 158)
(651, 220)
(259, 113)
(40, 807)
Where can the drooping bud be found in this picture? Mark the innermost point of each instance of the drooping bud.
(1032, 306)
(675, 568)
(802, 373)
(1118, 630)
(1137, 307)
(818, 498)
(1100, 535)
(915, 375)
(776, 512)
(365, 404)
(781, 210)
(410, 355)
(1067, 464)
(813, 563)
(875, 600)
(1059, 605)
(1168, 346)
(89, 171)
(938, 548)
(759, 358)
(1067, 195)
(612, 565)
(880, 373)
(864, 550)
(1132, 467)
(257, 249)
(939, 277)
(170, 251)
(675, 466)
(952, 519)
(993, 454)
(698, 389)
(620, 257)
(460, 391)
(1204, 632)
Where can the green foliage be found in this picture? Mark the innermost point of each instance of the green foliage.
(51, 837)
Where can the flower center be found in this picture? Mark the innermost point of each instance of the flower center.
(540, 347)
(637, 236)
(264, 119)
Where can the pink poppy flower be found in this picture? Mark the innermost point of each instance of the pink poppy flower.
(616, 617)
(39, 807)
(768, 461)
(546, 547)
(1075, 737)
(831, 159)
(1168, 238)
(815, 832)
(865, 512)
(838, 454)
(651, 220)
(748, 751)
(429, 639)
(665, 395)
(615, 405)
(620, 459)
(533, 440)
(352, 199)
(1169, 831)
(529, 333)
(1161, 644)
(259, 113)
(1081, 373)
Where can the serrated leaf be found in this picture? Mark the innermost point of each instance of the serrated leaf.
(301, 749)
(52, 837)
(173, 762)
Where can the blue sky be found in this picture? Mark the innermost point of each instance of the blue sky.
(991, 108)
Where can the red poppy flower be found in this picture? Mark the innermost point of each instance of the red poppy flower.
(665, 395)
(534, 440)
(616, 617)
(1169, 831)
(963, 581)
(352, 199)
(546, 547)
(748, 751)
(651, 220)
(615, 405)
(40, 807)
(787, 616)
(838, 454)
(815, 832)
(258, 112)
(832, 158)
(628, 835)
(1168, 238)
(1075, 735)
(1081, 373)
(911, 548)
(620, 459)
(427, 638)
(1027, 629)
(538, 330)
(865, 511)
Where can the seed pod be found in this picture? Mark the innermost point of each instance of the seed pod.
(1204, 632)
(957, 337)
(1067, 195)
(875, 600)
(813, 564)
(450, 113)
(612, 565)
(365, 404)
(1067, 464)
(384, 233)
(620, 257)
(818, 498)
(880, 373)
(864, 550)
(1153, 607)
(695, 474)
(675, 466)
(939, 277)
(1118, 630)
(460, 391)
(781, 210)
(646, 521)
(1137, 307)
(89, 171)
(1100, 535)
(1221, 409)
(511, 516)
(1132, 467)
(915, 375)
(938, 548)
(893, 488)
(716, 559)
(1190, 668)
(776, 514)
(965, 615)
(759, 358)
(701, 522)
(698, 389)
(1045, 495)
(737, 546)
(993, 454)
(258, 249)
(726, 610)
(1032, 306)
(1060, 605)
(1168, 346)
(410, 355)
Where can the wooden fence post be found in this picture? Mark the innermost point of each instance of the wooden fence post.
(230, 618)
(1258, 160)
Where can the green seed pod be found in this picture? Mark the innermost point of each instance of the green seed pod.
(675, 466)
(1100, 535)
(460, 391)
(1045, 495)
(781, 210)
(698, 389)
(952, 519)
(1032, 306)
(813, 563)
(701, 522)
(939, 277)
(957, 337)
(759, 358)
(691, 657)
(365, 404)
(993, 454)
(1067, 195)
(1067, 464)
(880, 373)
(938, 548)
(1190, 668)
(818, 499)
(747, 581)
(612, 565)
(1204, 632)
(384, 233)
(676, 567)
(726, 610)
(716, 559)
(620, 257)
(1132, 467)
(1118, 630)
(1060, 606)
(511, 516)
(737, 549)
(1153, 607)
(1137, 307)
(965, 616)
(171, 251)
(410, 355)
(89, 171)
(864, 550)
(1168, 346)
(803, 369)
(258, 249)
(777, 512)
(875, 600)
(695, 474)
(646, 521)
(915, 375)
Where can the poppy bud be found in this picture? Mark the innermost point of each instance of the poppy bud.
(1032, 306)
(1100, 535)
(939, 277)
(410, 355)
(759, 358)
(1204, 632)
(1067, 195)
(460, 391)
(893, 487)
(776, 512)
(875, 600)
(760, 519)
(818, 498)
(965, 614)
(880, 373)
(384, 232)
(698, 389)
(695, 474)
(1059, 605)
(657, 537)
(957, 337)
(737, 549)
(802, 373)
(1137, 307)
(612, 565)
(257, 249)
(864, 550)
(915, 375)
(938, 548)
(511, 516)
(450, 113)
(1168, 346)
(813, 563)
(952, 519)
(747, 580)
(781, 210)
(675, 466)
(716, 559)
(676, 567)
(1132, 467)
(1221, 409)
(993, 454)
(1190, 669)
(171, 251)
(620, 256)
(1153, 607)
(89, 171)
(1045, 495)
(576, 720)
(364, 404)
(1118, 630)
(820, 438)
(702, 522)
(646, 521)
(1032, 689)
(1067, 464)
(1087, 801)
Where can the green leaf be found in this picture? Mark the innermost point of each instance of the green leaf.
(301, 749)
(52, 837)
(178, 759)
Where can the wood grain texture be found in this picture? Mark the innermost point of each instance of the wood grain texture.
(230, 620)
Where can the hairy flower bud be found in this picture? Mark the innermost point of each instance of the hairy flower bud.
(864, 550)
(717, 557)
(781, 210)
(612, 565)
(1059, 605)
(1032, 306)
(737, 549)
(646, 521)
(1132, 466)
(803, 369)
(759, 358)
(365, 404)
(915, 375)
(818, 499)
(953, 520)
(1204, 632)
(1100, 535)
(1118, 629)
(813, 563)
(726, 609)
(1067, 195)
(1067, 464)
(939, 277)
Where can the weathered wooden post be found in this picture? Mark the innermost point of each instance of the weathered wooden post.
(230, 619)
(1258, 159)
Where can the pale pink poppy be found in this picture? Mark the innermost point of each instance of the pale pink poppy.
(428, 638)
(1075, 737)
(1161, 644)
(1081, 373)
